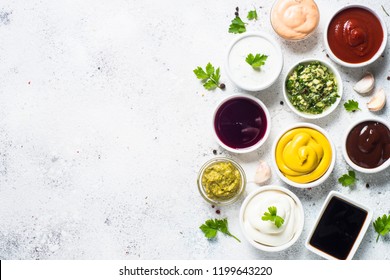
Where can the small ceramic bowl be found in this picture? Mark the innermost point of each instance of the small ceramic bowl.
(328, 110)
(221, 202)
(320, 180)
(242, 73)
(299, 215)
(290, 12)
(372, 59)
(324, 237)
(381, 167)
(258, 143)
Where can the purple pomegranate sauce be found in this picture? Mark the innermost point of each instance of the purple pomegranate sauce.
(240, 123)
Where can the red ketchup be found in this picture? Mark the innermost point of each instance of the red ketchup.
(355, 35)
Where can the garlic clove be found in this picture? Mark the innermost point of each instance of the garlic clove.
(378, 101)
(263, 173)
(365, 85)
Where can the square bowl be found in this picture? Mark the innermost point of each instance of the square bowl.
(363, 218)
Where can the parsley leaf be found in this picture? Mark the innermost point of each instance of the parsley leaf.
(210, 77)
(237, 26)
(348, 179)
(211, 227)
(273, 217)
(252, 15)
(382, 225)
(256, 61)
(351, 105)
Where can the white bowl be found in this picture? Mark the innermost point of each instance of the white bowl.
(262, 140)
(299, 227)
(361, 64)
(320, 180)
(359, 238)
(298, 10)
(328, 110)
(241, 73)
(382, 167)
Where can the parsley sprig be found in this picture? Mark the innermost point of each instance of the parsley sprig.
(273, 217)
(349, 179)
(211, 227)
(237, 26)
(256, 61)
(210, 77)
(382, 226)
(252, 15)
(351, 105)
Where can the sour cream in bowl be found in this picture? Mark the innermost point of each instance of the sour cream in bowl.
(242, 73)
(268, 235)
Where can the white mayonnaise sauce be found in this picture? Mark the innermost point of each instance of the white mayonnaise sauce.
(266, 232)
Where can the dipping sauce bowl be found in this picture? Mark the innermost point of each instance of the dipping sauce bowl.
(339, 228)
(241, 123)
(366, 145)
(355, 36)
(303, 155)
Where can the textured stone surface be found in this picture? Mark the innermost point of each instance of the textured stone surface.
(103, 128)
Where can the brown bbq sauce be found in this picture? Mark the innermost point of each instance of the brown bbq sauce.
(368, 144)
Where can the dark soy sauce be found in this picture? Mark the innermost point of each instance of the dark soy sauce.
(338, 228)
(240, 123)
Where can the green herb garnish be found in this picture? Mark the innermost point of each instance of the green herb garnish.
(348, 179)
(273, 217)
(383, 8)
(256, 61)
(382, 225)
(252, 15)
(237, 26)
(211, 227)
(351, 105)
(311, 88)
(210, 77)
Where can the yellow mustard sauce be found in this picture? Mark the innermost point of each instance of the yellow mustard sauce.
(303, 155)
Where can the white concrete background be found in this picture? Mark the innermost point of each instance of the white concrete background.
(103, 128)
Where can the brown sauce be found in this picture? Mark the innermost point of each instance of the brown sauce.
(368, 144)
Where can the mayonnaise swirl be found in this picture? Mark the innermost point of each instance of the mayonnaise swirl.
(303, 155)
(265, 232)
(294, 19)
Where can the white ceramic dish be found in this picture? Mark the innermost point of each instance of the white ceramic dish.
(299, 227)
(259, 143)
(328, 110)
(291, 11)
(317, 182)
(359, 238)
(372, 59)
(382, 167)
(241, 73)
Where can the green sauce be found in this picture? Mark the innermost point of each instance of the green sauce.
(221, 181)
(312, 88)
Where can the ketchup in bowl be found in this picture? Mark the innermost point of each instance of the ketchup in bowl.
(355, 35)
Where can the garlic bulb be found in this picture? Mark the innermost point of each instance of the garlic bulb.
(365, 85)
(378, 101)
(263, 173)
